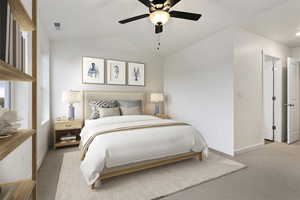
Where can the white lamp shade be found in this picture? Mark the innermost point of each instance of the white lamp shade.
(159, 16)
(71, 97)
(157, 97)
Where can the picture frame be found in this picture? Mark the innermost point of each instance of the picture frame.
(116, 72)
(136, 74)
(93, 70)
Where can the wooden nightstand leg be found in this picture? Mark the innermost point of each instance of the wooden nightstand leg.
(93, 187)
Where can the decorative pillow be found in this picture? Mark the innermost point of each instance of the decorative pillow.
(130, 103)
(131, 111)
(108, 112)
(95, 105)
(94, 113)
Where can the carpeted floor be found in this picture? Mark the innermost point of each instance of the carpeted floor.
(273, 173)
(145, 185)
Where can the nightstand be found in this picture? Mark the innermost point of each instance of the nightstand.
(163, 116)
(66, 133)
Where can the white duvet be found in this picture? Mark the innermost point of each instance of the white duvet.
(124, 147)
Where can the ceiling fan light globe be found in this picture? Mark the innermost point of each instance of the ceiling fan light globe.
(159, 17)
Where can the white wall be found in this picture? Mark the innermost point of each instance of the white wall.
(198, 82)
(295, 52)
(66, 63)
(17, 165)
(216, 85)
(248, 86)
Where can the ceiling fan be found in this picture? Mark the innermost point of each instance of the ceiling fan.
(160, 13)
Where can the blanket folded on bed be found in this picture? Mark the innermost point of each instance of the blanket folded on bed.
(84, 146)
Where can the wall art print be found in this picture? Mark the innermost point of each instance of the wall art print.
(136, 74)
(93, 70)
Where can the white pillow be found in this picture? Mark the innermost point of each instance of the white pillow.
(131, 111)
(108, 112)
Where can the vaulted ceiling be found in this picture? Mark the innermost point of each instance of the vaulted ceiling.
(99, 19)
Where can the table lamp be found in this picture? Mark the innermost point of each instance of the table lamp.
(71, 97)
(157, 98)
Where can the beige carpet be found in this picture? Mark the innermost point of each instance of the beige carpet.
(146, 185)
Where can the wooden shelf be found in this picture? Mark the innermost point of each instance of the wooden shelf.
(21, 16)
(10, 144)
(21, 190)
(67, 144)
(10, 73)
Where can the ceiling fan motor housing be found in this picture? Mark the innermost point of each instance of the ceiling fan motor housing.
(160, 13)
(159, 5)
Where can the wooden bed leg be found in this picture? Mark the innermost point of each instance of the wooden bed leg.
(98, 182)
(199, 157)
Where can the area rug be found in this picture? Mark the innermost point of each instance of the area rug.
(150, 184)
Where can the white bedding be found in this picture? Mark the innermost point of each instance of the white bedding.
(124, 147)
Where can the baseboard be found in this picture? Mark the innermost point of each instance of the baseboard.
(227, 155)
(41, 160)
(248, 148)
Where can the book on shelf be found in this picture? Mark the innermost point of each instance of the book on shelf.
(3, 25)
(12, 42)
(67, 138)
(67, 141)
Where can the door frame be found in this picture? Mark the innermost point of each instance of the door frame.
(278, 90)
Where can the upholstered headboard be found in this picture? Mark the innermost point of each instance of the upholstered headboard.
(89, 96)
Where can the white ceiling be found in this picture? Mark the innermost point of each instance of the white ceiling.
(279, 24)
(99, 19)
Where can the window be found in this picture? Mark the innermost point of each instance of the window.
(4, 94)
(44, 87)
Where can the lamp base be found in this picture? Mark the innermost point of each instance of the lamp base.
(71, 112)
(156, 112)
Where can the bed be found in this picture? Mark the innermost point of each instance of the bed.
(118, 145)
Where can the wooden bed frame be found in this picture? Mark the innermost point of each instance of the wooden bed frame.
(130, 168)
(118, 171)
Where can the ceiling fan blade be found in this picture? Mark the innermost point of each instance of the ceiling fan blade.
(173, 2)
(133, 19)
(185, 15)
(158, 29)
(146, 3)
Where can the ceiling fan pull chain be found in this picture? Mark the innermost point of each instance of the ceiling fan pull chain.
(158, 42)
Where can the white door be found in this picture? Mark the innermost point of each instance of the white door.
(293, 101)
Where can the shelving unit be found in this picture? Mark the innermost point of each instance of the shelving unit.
(18, 190)
(10, 144)
(21, 16)
(67, 144)
(10, 73)
(24, 189)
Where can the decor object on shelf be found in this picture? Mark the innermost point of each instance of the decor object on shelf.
(8, 122)
(160, 13)
(157, 98)
(70, 98)
(92, 70)
(136, 74)
(116, 72)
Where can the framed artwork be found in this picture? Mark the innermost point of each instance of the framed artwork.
(116, 72)
(93, 70)
(136, 74)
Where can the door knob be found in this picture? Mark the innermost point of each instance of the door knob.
(290, 105)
